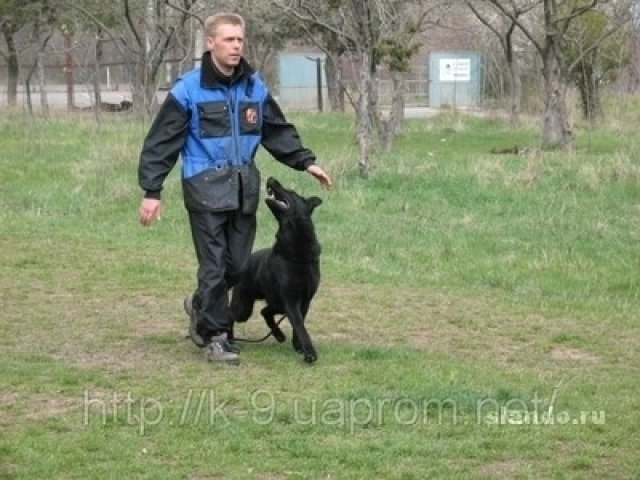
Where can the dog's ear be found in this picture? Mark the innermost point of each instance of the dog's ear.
(313, 202)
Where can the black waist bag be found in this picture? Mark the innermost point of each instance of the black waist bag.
(223, 189)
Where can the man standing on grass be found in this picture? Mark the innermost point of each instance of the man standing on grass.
(216, 116)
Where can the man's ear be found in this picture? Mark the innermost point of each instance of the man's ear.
(313, 202)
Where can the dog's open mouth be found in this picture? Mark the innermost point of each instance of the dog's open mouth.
(281, 203)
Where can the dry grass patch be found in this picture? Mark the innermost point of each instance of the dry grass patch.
(563, 353)
(34, 407)
(503, 469)
(426, 320)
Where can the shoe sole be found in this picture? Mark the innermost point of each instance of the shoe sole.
(226, 361)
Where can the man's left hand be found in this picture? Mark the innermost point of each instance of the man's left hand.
(320, 175)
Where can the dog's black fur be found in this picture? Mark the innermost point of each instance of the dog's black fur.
(287, 275)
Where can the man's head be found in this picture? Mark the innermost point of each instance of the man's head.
(224, 37)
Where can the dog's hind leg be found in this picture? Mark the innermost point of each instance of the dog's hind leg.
(269, 317)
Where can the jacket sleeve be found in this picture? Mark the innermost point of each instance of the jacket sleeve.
(280, 138)
(162, 146)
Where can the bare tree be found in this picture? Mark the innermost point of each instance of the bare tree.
(9, 29)
(402, 28)
(504, 28)
(352, 22)
(551, 42)
(601, 66)
(14, 16)
(38, 65)
(363, 28)
(330, 43)
(143, 36)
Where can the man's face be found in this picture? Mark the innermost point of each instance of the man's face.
(226, 46)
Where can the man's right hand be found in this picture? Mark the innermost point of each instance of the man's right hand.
(149, 209)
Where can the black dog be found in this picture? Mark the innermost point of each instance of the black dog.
(287, 275)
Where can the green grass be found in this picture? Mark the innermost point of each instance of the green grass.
(477, 316)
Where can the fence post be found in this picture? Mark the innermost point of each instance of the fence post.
(68, 69)
(318, 61)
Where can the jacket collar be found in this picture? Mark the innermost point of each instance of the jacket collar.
(211, 77)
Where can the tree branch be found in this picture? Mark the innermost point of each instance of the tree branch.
(127, 16)
(484, 20)
(186, 12)
(102, 26)
(514, 17)
(311, 17)
(597, 43)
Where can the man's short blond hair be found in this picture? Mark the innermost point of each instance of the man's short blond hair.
(224, 18)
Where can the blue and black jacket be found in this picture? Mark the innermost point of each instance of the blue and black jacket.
(216, 125)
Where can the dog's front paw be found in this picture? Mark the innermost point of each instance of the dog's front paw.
(310, 357)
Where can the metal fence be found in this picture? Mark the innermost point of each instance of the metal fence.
(50, 84)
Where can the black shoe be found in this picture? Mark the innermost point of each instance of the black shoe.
(193, 322)
(219, 350)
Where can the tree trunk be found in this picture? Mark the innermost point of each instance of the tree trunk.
(44, 103)
(97, 91)
(13, 68)
(589, 94)
(555, 131)
(68, 70)
(27, 87)
(333, 74)
(516, 90)
(36, 63)
(393, 125)
(363, 122)
(595, 107)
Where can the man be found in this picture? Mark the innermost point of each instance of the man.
(216, 116)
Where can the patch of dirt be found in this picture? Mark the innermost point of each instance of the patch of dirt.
(424, 320)
(138, 331)
(44, 406)
(111, 334)
(33, 407)
(505, 469)
(7, 399)
(573, 354)
(8, 470)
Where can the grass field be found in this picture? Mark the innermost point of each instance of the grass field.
(477, 316)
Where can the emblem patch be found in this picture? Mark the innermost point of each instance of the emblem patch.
(251, 116)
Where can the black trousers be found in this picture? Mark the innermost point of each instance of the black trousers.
(223, 243)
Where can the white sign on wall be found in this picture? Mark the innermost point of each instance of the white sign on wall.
(455, 70)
